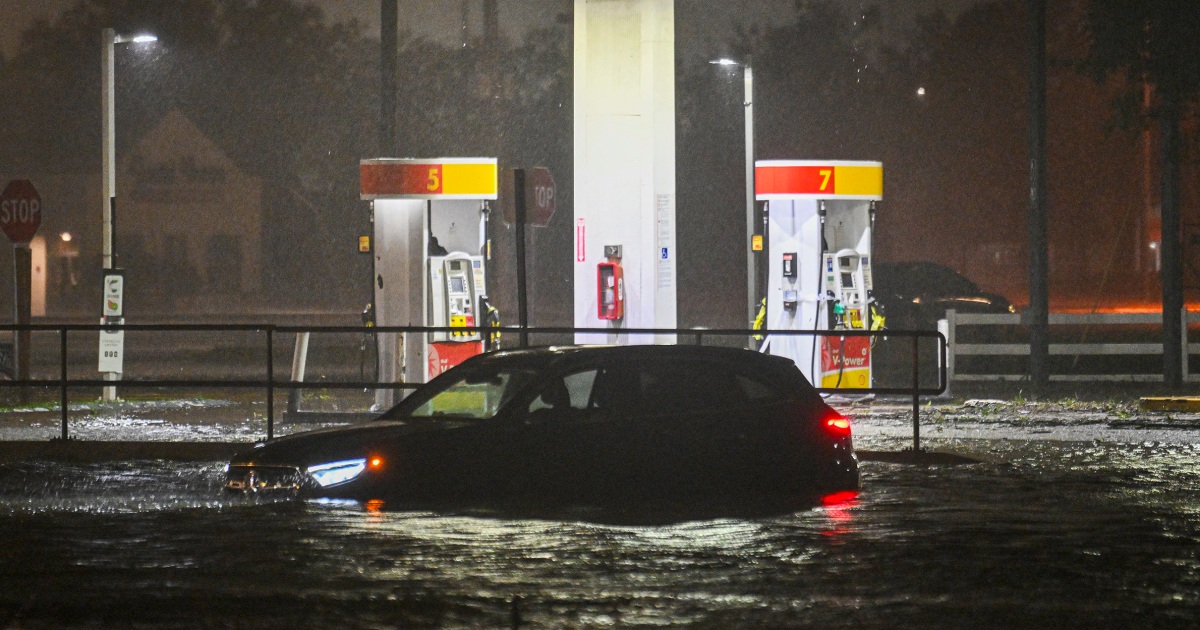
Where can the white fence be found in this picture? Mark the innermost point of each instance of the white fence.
(954, 322)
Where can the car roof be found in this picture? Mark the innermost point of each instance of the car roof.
(573, 353)
(921, 277)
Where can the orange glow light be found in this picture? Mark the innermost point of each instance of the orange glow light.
(376, 462)
(1124, 307)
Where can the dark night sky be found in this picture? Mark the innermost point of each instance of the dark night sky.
(442, 19)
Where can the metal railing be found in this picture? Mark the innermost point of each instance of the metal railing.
(270, 333)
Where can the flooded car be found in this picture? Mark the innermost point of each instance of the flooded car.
(917, 294)
(577, 426)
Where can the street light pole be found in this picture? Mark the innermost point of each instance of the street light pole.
(751, 271)
(108, 41)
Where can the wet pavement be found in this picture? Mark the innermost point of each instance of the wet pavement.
(1074, 514)
(952, 424)
(885, 423)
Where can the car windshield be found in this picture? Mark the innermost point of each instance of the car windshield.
(475, 395)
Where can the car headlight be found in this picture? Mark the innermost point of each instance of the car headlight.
(333, 473)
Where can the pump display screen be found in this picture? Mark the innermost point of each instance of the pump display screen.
(847, 279)
(458, 284)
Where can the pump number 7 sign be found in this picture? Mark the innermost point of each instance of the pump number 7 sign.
(800, 179)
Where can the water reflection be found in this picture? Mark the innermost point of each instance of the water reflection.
(839, 508)
(1041, 535)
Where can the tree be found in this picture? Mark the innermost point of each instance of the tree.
(288, 97)
(1153, 43)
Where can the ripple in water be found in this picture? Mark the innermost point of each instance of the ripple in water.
(1040, 535)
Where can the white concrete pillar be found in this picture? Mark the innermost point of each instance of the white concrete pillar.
(625, 160)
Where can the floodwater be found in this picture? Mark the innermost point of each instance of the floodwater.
(1041, 533)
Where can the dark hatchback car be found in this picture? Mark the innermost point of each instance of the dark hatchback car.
(577, 426)
(915, 295)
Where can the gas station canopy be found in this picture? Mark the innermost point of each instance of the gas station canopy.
(812, 179)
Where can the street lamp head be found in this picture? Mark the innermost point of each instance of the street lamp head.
(143, 38)
(724, 61)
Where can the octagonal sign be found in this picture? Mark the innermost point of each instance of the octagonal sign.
(20, 210)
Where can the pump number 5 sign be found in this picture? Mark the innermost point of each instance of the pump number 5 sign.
(438, 178)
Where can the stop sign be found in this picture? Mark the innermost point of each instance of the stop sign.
(539, 196)
(20, 210)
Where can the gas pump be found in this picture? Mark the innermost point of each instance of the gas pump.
(847, 359)
(848, 278)
(821, 217)
(430, 242)
(456, 284)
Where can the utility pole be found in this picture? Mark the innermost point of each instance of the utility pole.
(1172, 265)
(389, 18)
(1037, 316)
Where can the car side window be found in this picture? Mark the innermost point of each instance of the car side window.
(572, 391)
(579, 386)
(755, 390)
(763, 391)
(668, 388)
(616, 389)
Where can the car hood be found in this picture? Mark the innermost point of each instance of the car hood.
(336, 443)
(978, 302)
(990, 302)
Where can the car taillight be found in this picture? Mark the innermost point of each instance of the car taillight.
(837, 424)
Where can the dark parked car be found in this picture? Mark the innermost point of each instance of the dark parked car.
(917, 294)
(577, 426)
